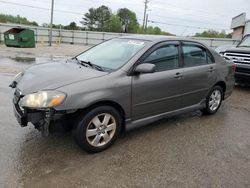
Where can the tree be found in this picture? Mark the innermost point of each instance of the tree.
(45, 25)
(150, 30)
(34, 23)
(153, 31)
(128, 20)
(4, 18)
(213, 34)
(115, 25)
(102, 19)
(98, 19)
(229, 35)
(71, 26)
(157, 31)
(59, 26)
(167, 33)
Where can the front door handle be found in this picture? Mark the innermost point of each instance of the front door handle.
(178, 75)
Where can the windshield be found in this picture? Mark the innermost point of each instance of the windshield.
(112, 54)
(245, 42)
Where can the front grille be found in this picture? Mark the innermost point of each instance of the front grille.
(242, 70)
(238, 58)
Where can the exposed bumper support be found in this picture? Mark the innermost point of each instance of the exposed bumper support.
(43, 120)
(44, 127)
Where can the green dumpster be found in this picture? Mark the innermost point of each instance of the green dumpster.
(19, 37)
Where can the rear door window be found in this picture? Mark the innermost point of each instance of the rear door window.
(195, 55)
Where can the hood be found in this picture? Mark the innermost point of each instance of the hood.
(239, 50)
(53, 75)
(223, 48)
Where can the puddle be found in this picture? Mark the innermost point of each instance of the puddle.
(19, 63)
(24, 59)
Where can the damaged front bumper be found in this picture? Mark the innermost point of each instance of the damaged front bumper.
(43, 119)
(23, 117)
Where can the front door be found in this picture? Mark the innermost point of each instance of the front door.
(158, 92)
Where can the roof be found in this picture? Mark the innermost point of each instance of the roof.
(156, 38)
(160, 38)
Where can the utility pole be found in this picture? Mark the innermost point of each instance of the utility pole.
(51, 22)
(146, 24)
(145, 12)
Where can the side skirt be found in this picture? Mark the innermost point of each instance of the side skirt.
(130, 125)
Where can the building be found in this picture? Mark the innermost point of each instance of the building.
(241, 26)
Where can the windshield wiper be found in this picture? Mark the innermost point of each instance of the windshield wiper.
(244, 46)
(84, 63)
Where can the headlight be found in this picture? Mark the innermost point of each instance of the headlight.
(42, 99)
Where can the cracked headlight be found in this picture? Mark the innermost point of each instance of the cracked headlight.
(42, 99)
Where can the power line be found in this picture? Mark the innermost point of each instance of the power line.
(42, 8)
(211, 15)
(160, 16)
(180, 25)
(196, 10)
(87, 1)
(97, 1)
(154, 15)
(78, 13)
(185, 20)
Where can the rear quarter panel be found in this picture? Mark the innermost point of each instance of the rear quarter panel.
(225, 73)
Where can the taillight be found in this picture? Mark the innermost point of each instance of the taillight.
(234, 67)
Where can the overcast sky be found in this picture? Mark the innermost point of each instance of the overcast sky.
(175, 15)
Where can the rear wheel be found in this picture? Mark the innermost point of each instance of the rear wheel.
(213, 100)
(98, 129)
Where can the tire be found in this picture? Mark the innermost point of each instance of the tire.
(213, 100)
(98, 129)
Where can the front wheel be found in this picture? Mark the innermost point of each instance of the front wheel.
(213, 100)
(98, 129)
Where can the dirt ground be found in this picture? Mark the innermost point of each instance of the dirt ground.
(190, 150)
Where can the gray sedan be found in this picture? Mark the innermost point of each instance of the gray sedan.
(121, 84)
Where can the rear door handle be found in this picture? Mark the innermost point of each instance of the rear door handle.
(211, 69)
(178, 75)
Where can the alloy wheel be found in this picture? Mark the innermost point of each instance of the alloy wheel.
(215, 100)
(101, 129)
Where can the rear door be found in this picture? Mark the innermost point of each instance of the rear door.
(198, 73)
(158, 92)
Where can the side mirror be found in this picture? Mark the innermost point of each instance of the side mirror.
(145, 68)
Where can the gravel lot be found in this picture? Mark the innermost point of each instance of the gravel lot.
(189, 150)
